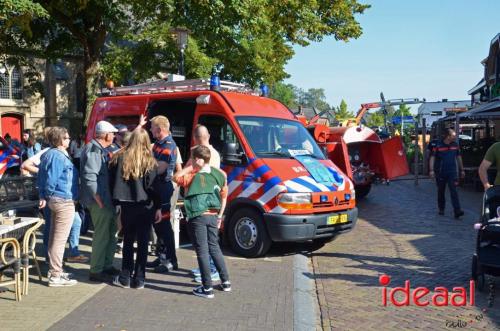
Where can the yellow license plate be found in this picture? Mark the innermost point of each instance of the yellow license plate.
(336, 219)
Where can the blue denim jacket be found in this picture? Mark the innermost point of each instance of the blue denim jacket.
(57, 176)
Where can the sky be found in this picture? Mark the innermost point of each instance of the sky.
(408, 49)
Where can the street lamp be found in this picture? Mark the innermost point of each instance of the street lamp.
(181, 37)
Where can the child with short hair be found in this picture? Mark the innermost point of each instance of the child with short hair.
(204, 200)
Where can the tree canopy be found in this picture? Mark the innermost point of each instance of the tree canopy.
(131, 40)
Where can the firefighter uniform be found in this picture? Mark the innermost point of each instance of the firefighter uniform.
(446, 171)
(166, 150)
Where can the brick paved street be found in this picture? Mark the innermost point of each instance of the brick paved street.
(400, 234)
(262, 299)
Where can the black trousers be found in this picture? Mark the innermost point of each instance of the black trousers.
(450, 180)
(205, 236)
(136, 225)
(164, 231)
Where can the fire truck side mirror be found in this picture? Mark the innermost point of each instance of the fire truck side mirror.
(230, 154)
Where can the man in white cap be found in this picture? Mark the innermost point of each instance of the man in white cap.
(95, 195)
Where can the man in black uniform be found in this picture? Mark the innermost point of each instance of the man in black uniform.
(445, 165)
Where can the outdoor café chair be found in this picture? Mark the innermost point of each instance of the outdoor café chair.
(28, 250)
(10, 257)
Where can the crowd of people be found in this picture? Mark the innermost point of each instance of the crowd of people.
(129, 186)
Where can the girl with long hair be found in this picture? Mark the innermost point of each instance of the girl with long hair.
(133, 175)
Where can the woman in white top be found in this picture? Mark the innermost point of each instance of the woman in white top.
(75, 150)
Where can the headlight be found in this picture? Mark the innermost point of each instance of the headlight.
(353, 192)
(295, 200)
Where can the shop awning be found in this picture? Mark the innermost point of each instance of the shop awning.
(483, 110)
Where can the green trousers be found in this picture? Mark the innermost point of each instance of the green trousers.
(104, 239)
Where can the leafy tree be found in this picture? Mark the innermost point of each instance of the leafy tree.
(375, 119)
(130, 40)
(403, 110)
(285, 93)
(341, 112)
(315, 98)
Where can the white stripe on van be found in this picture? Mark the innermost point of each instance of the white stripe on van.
(274, 191)
(250, 190)
(233, 185)
(297, 187)
(311, 181)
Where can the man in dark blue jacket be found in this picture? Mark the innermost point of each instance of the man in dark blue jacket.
(446, 164)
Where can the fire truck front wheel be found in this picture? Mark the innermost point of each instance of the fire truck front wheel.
(362, 191)
(247, 234)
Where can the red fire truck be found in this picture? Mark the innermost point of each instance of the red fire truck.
(281, 187)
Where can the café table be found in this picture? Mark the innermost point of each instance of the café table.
(16, 228)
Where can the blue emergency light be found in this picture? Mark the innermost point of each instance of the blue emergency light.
(214, 82)
(264, 90)
(347, 196)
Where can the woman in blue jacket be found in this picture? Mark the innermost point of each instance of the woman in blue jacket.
(58, 188)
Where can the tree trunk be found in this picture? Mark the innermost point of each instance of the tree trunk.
(92, 77)
(50, 95)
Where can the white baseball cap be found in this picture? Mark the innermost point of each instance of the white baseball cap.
(104, 127)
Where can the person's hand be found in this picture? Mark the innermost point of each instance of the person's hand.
(98, 200)
(487, 186)
(158, 216)
(42, 203)
(219, 221)
(143, 120)
(432, 174)
(462, 174)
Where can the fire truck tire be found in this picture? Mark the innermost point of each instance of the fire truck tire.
(247, 234)
(362, 191)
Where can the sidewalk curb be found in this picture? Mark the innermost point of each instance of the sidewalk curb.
(305, 303)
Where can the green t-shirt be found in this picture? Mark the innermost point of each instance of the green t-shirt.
(493, 155)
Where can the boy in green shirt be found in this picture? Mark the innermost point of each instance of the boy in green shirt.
(205, 198)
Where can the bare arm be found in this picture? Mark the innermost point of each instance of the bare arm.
(483, 173)
(461, 166)
(29, 166)
(431, 166)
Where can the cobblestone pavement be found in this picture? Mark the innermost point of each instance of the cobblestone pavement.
(261, 299)
(400, 234)
(43, 305)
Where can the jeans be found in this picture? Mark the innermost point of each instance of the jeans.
(450, 180)
(136, 224)
(205, 235)
(63, 213)
(164, 231)
(74, 234)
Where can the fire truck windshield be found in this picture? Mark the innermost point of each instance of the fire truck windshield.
(278, 138)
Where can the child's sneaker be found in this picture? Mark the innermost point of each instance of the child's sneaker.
(121, 281)
(139, 283)
(215, 277)
(226, 286)
(62, 280)
(204, 293)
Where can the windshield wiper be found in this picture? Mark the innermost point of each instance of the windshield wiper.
(276, 153)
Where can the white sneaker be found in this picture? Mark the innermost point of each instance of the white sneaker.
(62, 280)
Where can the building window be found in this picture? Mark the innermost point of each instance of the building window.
(11, 86)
